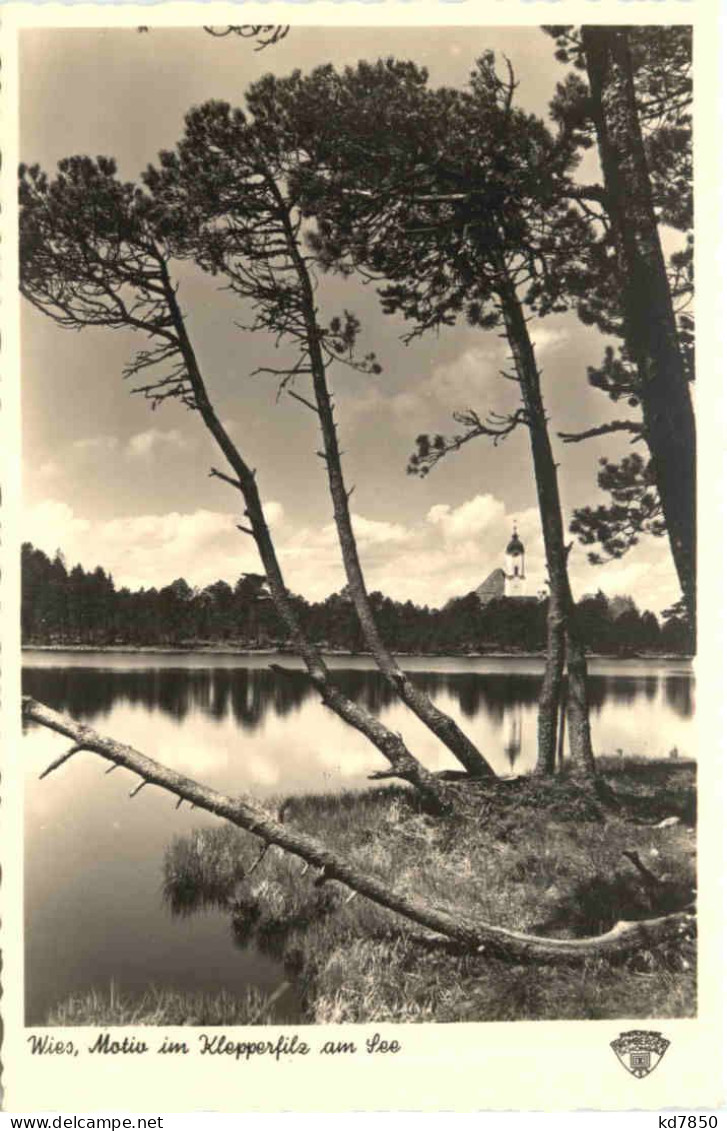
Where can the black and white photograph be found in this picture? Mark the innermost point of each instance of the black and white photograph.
(358, 531)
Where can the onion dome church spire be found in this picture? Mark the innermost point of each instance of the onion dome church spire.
(515, 546)
(514, 566)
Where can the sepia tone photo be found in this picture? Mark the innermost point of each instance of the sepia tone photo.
(428, 736)
(358, 571)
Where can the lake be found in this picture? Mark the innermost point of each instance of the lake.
(93, 873)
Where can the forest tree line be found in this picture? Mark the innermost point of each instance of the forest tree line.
(62, 606)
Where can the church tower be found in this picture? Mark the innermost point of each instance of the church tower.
(515, 566)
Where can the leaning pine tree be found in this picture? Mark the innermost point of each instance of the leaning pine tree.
(94, 252)
(455, 201)
(229, 198)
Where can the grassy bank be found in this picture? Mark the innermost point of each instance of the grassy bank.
(533, 856)
(159, 1006)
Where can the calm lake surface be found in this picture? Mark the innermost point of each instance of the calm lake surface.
(94, 907)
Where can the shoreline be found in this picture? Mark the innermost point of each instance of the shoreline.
(233, 650)
(350, 961)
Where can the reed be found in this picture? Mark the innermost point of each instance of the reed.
(158, 1006)
(532, 855)
(535, 855)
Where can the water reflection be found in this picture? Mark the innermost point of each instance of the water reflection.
(514, 743)
(250, 695)
(651, 686)
(94, 882)
(680, 697)
(297, 745)
(91, 693)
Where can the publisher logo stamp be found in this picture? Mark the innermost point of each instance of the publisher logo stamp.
(640, 1051)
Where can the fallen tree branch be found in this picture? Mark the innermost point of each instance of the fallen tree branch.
(245, 813)
(61, 759)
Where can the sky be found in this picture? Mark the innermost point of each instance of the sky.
(112, 483)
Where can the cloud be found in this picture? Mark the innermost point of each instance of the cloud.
(141, 446)
(471, 518)
(312, 557)
(144, 444)
(546, 337)
(371, 532)
(446, 553)
(151, 549)
(52, 525)
(274, 513)
(646, 573)
(360, 404)
(49, 469)
(471, 380)
(96, 445)
(466, 382)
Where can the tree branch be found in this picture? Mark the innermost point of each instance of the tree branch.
(215, 474)
(247, 814)
(297, 397)
(430, 450)
(60, 760)
(266, 35)
(603, 430)
(585, 192)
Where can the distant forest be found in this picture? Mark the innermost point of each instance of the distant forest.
(76, 607)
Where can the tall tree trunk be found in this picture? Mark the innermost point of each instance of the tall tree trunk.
(441, 724)
(391, 745)
(562, 724)
(648, 311)
(246, 813)
(561, 613)
(551, 689)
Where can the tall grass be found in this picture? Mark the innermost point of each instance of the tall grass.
(158, 1006)
(536, 856)
(533, 855)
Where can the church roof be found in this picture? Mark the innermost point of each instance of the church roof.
(492, 587)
